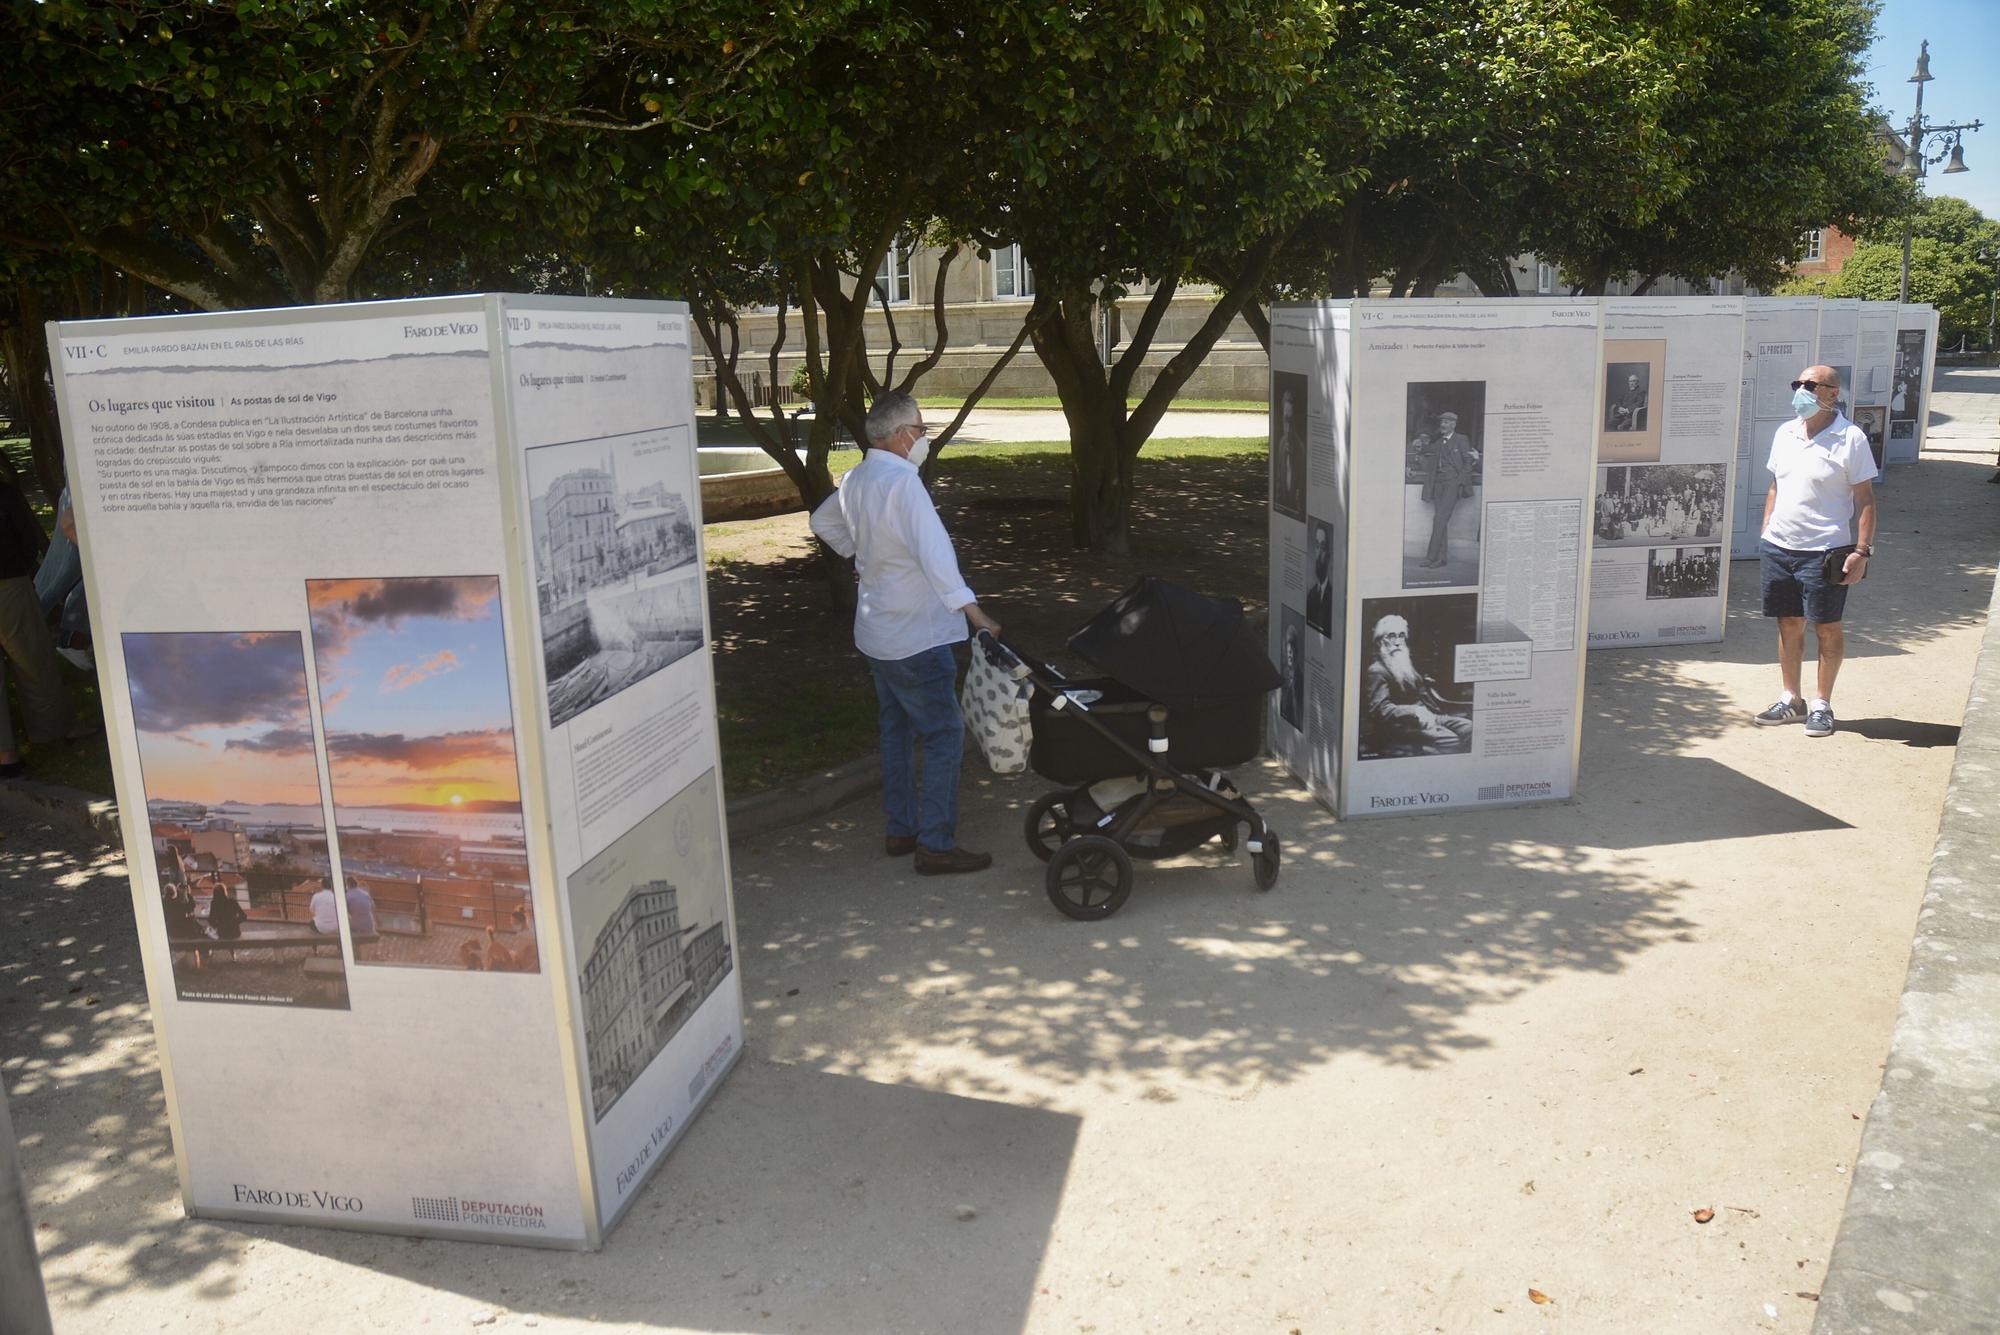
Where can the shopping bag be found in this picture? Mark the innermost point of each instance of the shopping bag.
(995, 705)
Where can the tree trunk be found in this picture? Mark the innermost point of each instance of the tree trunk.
(1099, 492)
(24, 349)
(1105, 438)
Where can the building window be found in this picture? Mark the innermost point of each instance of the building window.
(1011, 275)
(893, 277)
(1812, 245)
(1545, 279)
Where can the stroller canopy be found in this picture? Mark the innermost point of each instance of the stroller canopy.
(1176, 646)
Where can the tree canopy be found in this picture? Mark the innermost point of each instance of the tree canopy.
(1954, 265)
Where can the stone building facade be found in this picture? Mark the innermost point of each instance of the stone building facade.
(985, 301)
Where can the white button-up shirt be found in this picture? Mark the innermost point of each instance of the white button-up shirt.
(1816, 479)
(912, 595)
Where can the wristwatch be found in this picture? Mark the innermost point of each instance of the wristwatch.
(1868, 552)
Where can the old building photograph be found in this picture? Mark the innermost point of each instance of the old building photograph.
(650, 917)
(616, 549)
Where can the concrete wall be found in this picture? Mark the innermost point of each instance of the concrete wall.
(1919, 1244)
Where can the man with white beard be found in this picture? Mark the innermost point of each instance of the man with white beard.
(1406, 715)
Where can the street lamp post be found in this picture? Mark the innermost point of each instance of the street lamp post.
(1950, 142)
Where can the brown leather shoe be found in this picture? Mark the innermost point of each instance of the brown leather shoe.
(953, 863)
(899, 845)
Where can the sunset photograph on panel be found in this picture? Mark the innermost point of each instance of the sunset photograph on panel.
(419, 728)
(233, 804)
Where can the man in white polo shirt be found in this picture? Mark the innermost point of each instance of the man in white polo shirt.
(913, 607)
(1822, 500)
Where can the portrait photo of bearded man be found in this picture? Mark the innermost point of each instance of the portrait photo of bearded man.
(1406, 710)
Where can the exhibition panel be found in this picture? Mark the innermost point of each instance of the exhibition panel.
(602, 416)
(359, 789)
(1874, 361)
(1667, 437)
(1780, 338)
(1309, 528)
(1910, 381)
(1465, 495)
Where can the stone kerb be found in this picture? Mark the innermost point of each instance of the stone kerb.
(1918, 1240)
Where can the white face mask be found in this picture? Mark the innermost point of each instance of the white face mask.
(920, 450)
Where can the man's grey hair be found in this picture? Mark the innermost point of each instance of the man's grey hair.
(891, 412)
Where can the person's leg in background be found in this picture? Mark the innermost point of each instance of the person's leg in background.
(31, 651)
(924, 687)
(899, 776)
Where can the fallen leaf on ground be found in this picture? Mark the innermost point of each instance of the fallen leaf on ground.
(1703, 1215)
(1637, 1070)
(1807, 1294)
(1537, 1296)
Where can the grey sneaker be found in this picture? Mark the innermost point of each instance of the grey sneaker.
(1819, 722)
(1785, 711)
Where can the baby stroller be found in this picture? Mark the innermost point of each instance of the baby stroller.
(1141, 751)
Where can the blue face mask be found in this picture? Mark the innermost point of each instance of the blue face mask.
(1804, 402)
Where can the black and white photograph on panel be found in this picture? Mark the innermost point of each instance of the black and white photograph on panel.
(1320, 597)
(1292, 690)
(1645, 505)
(1902, 430)
(615, 571)
(1288, 443)
(1630, 424)
(1410, 704)
(1845, 403)
(651, 914)
(1683, 572)
(1873, 419)
(1906, 385)
(1443, 468)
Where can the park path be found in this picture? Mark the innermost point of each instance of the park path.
(1447, 1061)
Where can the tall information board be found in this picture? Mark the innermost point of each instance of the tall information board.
(1874, 361)
(1667, 440)
(403, 642)
(1431, 501)
(1910, 381)
(1780, 338)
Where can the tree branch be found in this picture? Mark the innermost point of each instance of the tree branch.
(1142, 339)
(942, 334)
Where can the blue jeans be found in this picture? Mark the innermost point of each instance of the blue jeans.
(59, 584)
(919, 707)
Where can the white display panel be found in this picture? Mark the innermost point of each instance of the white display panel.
(1838, 343)
(1665, 450)
(1914, 365)
(1874, 366)
(620, 629)
(1461, 438)
(1780, 338)
(1309, 533)
(312, 578)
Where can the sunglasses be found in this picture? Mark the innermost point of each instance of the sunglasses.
(1814, 385)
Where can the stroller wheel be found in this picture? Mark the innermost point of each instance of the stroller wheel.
(1264, 864)
(1048, 826)
(1228, 838)
(1089, 877)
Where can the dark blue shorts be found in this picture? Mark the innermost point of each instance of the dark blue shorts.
(1795, 586)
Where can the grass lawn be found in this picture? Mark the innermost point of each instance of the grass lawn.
(951, 403)
(794, 698)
